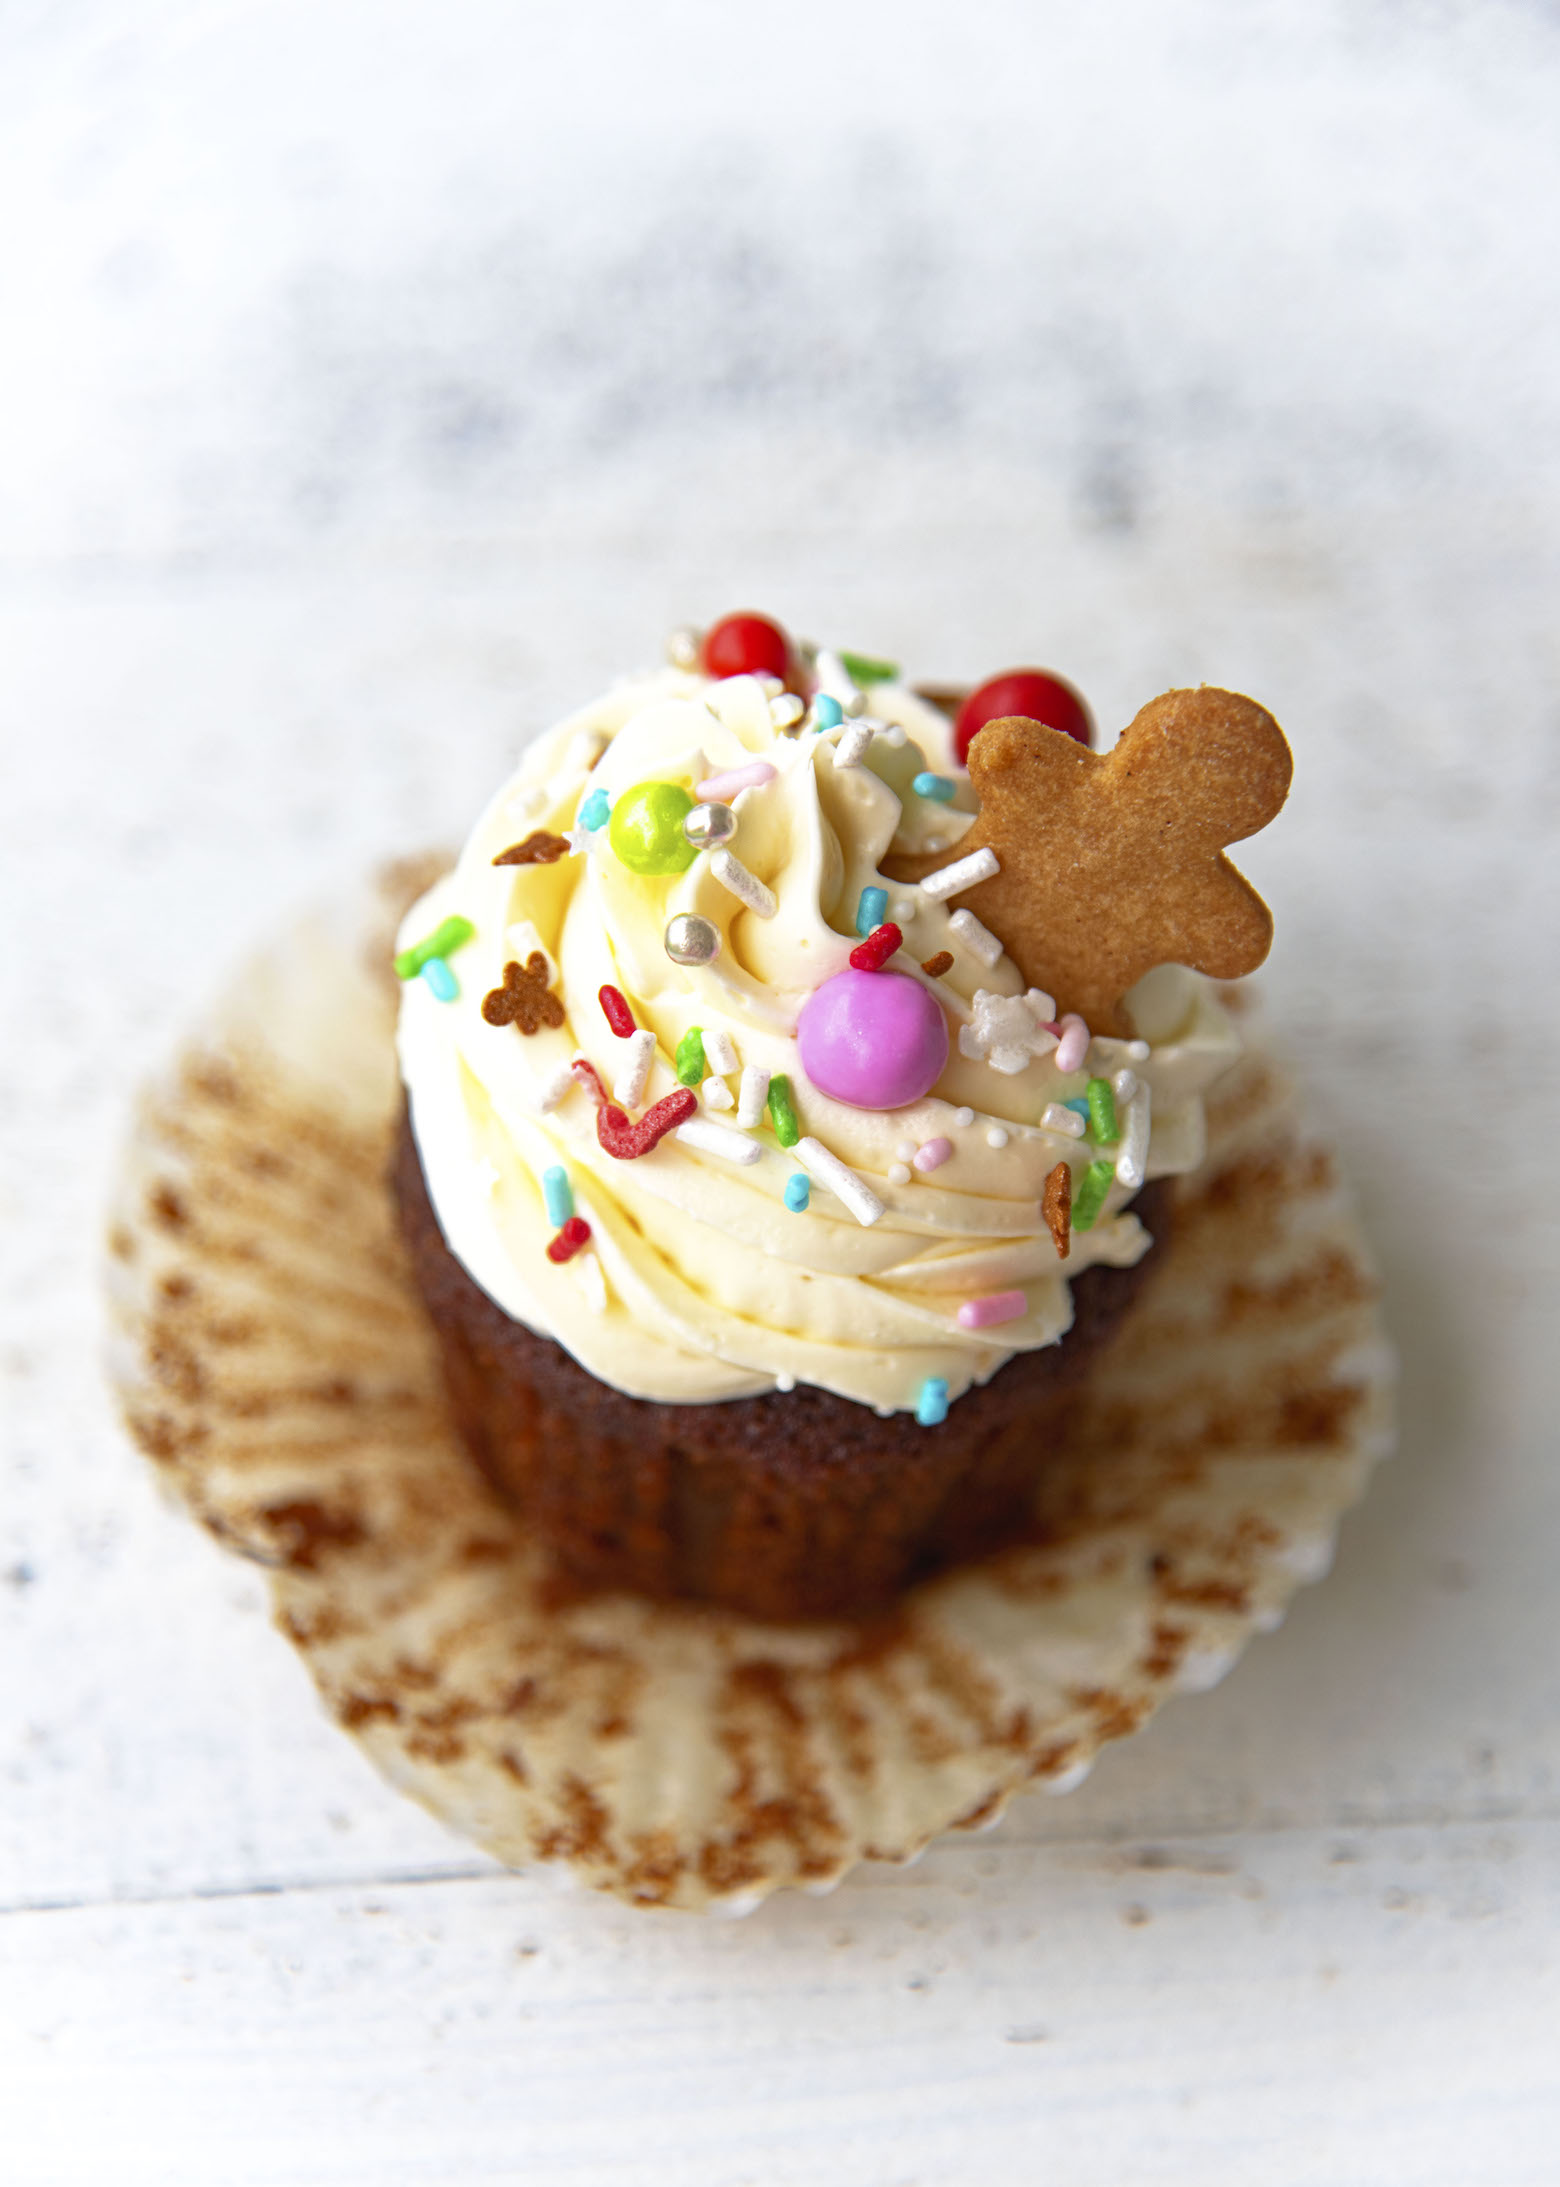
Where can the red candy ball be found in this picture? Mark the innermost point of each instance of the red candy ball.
(747, 645)
(1030, 692)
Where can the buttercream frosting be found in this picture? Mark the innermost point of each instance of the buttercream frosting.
(703, 1278)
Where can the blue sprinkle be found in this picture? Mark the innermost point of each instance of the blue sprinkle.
(559, 1195)
(872, 909)
(594, 811)
(437, 975)
(798, 1191)
(937, 787)
(1080, 1103)
(827, 713)
(931, 1407)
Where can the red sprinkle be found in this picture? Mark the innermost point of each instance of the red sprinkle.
(747, 645)
(574, 1234)
(872, 954)
(626, 1141)
(1033, 693)
(618, 1014)
(590, 1078)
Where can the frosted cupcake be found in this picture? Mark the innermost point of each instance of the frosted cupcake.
(767, 1205)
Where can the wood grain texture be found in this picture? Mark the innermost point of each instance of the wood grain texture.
(328, 478)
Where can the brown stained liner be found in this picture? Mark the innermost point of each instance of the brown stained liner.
(274, 1364)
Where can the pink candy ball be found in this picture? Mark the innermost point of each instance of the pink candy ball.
(873, 1039)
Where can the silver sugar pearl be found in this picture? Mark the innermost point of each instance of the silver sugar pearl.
(682, 647)
(692, 940)
(708, 825)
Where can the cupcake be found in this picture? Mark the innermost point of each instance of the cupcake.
(794, 1064)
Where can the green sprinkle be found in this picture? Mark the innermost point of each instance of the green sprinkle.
(1102, 1112)
(690, 1056)
(449, 935)
(781, 1113)
(863, 668)
(1091, 1194)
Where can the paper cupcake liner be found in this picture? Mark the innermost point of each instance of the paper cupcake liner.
(272, 1362)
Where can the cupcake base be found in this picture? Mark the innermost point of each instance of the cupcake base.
(784, 1506)
(274, 1361)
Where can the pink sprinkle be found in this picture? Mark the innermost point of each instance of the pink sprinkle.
(933, 1154)
(999, 1306)
(1073, 1050)
(717, 788)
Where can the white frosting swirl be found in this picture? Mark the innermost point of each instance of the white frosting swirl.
(700, 1283)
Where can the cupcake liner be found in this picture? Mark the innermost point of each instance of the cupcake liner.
(272, 1361)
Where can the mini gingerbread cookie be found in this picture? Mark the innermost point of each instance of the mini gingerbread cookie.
(1110, 863)
(525, 999)
(540, 848)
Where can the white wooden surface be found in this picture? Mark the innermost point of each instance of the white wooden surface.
(324, 482)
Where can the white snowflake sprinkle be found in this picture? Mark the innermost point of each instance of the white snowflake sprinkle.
(1008, 1030)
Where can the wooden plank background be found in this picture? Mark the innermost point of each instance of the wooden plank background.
(264, 617)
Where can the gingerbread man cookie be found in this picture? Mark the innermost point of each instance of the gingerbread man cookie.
(525, 999)
(1112, 862)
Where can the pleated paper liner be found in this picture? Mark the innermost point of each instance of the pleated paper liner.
(272, 1362)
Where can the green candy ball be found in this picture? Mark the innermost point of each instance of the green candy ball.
(647, 829)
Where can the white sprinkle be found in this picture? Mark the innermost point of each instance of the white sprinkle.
(1132, 1159)
(785, 1384)
(829, 1170)
(786, 709)
(584, 749)
(634, 1076)
(851, 749)
(522, 941)
(935, 843)
(771, 686)
(899, 1174)
(980, 865)
(716, 1093)
(1065, 1121)
(893, 735)
(732, 874)
(1124, 1085)
(977, 939)
(903, 910)
(1138, 1050)
(905, 1151)
(718, 1051)
(964, 1116)
(682, 646)
(752, 1094)
(715, 1139)
(996, 1137)
(834, 678)
(593, 1282)
(553, 1088)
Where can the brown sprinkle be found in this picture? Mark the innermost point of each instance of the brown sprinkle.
(525, 998)
(935, 967)
(540, 849)
(1056, 1206)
